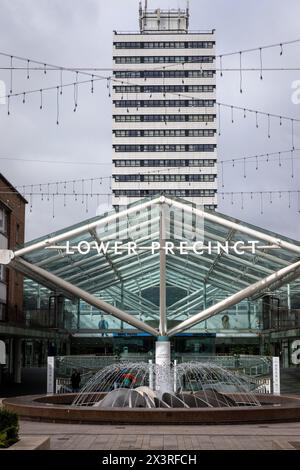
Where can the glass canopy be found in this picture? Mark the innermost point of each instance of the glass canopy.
(208, 256)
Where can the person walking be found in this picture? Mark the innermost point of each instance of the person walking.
(75, 381)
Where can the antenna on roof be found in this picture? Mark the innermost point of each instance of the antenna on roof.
(187, 13)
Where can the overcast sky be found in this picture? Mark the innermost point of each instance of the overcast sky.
(78, 33)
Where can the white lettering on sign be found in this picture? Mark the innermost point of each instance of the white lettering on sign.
(50, 375)
(276, 376)
(295, 356)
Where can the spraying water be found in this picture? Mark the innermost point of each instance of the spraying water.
(142, 385)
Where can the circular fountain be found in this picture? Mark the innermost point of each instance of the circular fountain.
(141, 393)
(189, 385)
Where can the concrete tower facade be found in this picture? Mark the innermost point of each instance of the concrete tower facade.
(164, 110)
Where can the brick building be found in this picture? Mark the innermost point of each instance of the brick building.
(12, 228)
(27, 341)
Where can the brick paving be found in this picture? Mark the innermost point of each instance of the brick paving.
(110, 437)
(106, 437)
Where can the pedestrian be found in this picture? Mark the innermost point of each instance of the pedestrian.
(128, 380)
(75, 381)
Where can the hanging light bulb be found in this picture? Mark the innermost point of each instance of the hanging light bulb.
(11, 75)
(61, 81)
(292, 163)
(75, 97)
(241, 74)
(57, 105)
(261, 63)
(261, 204)
(92, 84)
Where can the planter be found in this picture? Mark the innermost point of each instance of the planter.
(31, 443)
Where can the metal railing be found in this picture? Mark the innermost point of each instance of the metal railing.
(258, 369)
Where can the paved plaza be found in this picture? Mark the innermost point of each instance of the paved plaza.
(120, 437)
(94, 437)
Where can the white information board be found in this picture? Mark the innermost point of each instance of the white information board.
(50, 375)
(276, 376)
(2, 353)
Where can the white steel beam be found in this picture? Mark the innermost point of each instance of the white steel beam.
(236, 298)
(20, 264)
(84, 228)
(233, 225)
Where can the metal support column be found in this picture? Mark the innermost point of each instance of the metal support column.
(204, 301)
(288, 287)
(78, 314)
(162, 271)
(122, 304)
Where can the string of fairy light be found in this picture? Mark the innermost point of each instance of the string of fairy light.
(236, 198)
(109, 79)
(279, 156)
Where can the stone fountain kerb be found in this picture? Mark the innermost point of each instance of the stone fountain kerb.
(57, 408)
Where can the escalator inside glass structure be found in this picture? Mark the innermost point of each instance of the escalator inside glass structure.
(120, 258)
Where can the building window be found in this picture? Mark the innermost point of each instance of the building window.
(18, 233)
(3, 310)
(3, 220)
(165, 118)
(2, 273)
(207, 162)
(165, 133)
(165, 148)
(165, 74)
(165, 89)
(163, 103)
(167, 192)
(163, 59)
(163, 178)
(165, 45)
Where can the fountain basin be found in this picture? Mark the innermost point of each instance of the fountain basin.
(58, 408)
